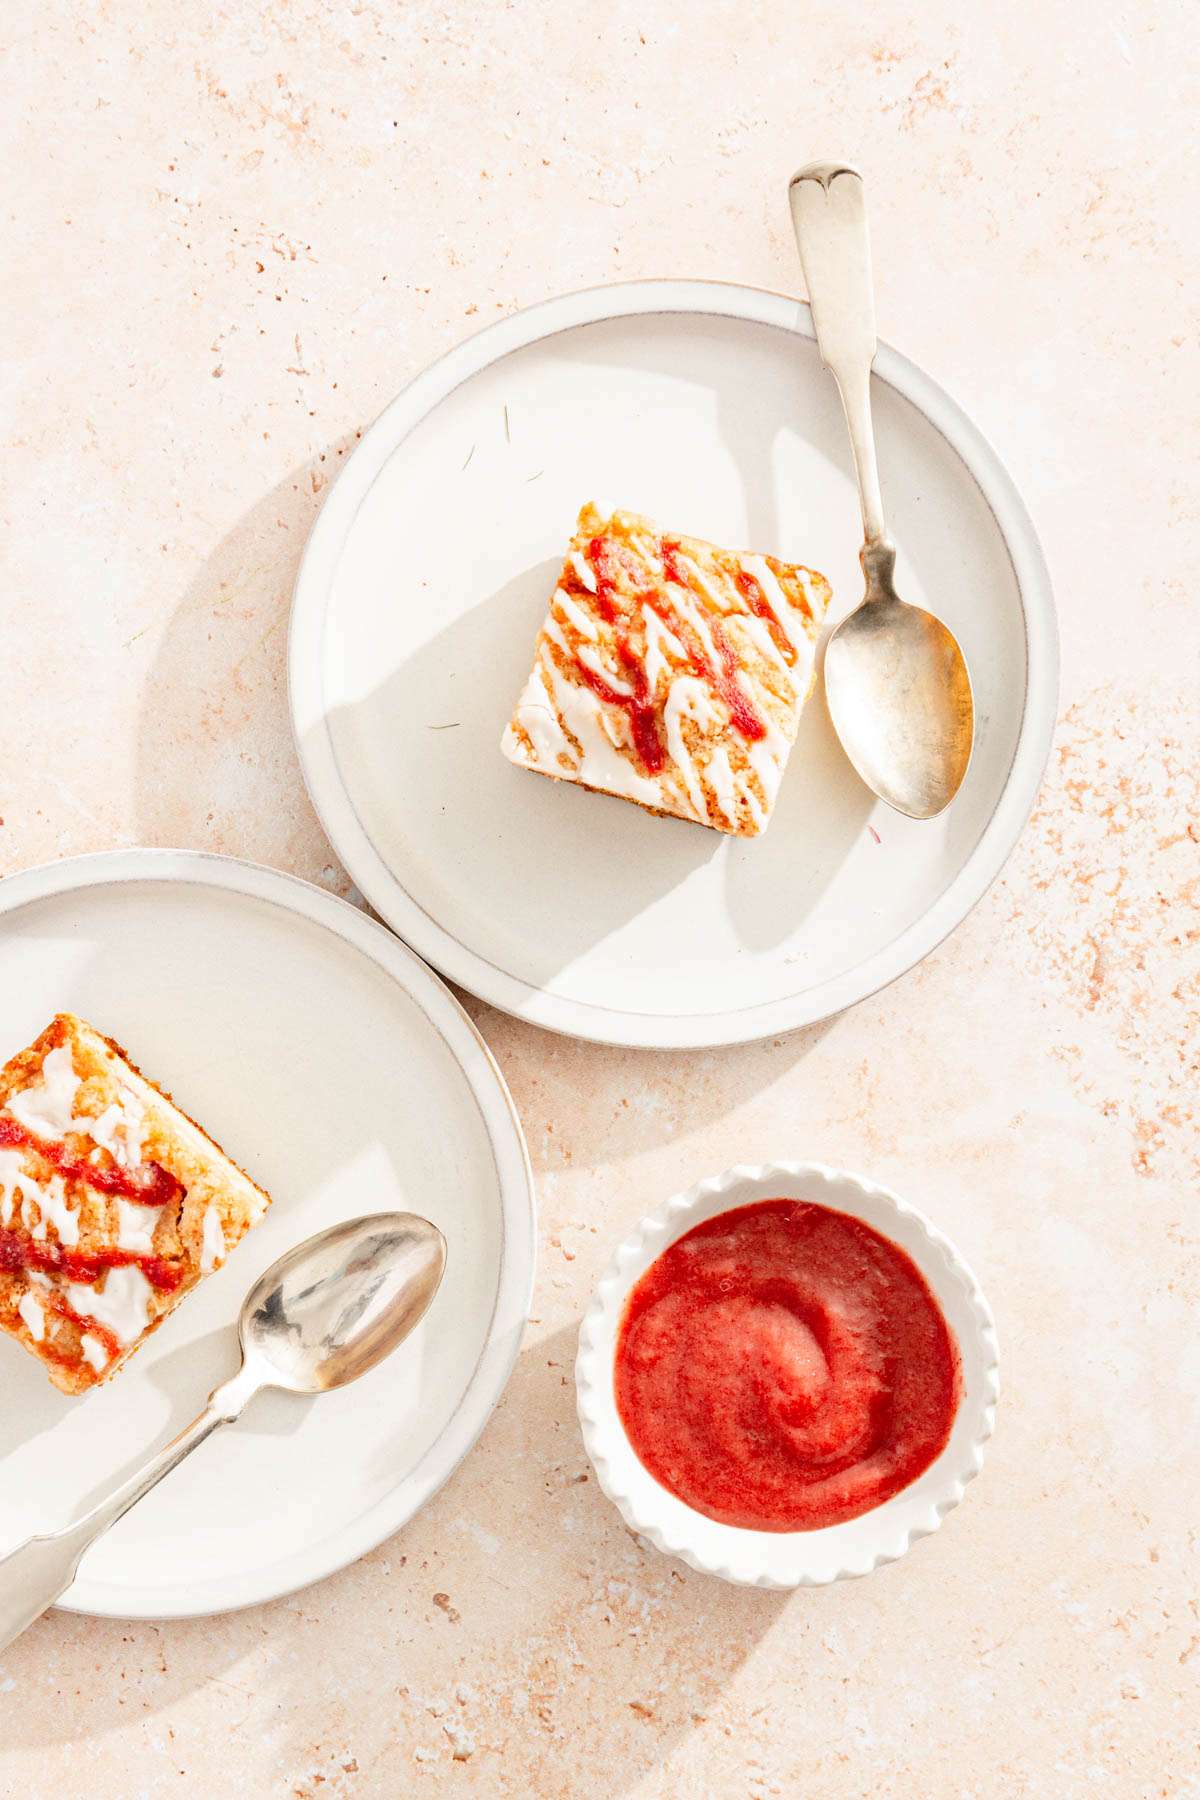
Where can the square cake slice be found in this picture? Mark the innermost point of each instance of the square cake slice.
(670, 672)
(113, 1204)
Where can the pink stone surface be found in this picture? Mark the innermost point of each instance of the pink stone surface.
(232, 233)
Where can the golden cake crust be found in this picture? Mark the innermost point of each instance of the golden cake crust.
(670, 672)
(101, 1174)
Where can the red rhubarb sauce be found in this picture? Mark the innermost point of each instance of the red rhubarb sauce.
(784, 1367)
(607, 560)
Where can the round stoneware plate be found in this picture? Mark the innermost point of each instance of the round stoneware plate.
(420, 596)
(337, 1069)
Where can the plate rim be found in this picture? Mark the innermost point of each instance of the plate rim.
(518, 1206)
(458, 961)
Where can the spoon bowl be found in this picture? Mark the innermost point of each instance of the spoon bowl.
(899, 695)
(333, 1307)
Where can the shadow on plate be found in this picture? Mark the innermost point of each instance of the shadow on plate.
(535, 874)
(269, 1414)
(453, 1592)
(236, 608)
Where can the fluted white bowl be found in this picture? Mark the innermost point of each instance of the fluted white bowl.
(787, 1559)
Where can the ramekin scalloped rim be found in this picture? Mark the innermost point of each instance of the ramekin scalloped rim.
(799, 1558)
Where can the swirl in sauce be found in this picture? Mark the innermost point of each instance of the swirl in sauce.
(784, 1367)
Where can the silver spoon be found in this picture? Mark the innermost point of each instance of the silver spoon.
(319, 1317)
(895, 678)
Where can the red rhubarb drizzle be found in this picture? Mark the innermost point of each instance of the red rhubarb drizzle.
(605, 558)
(19, 1253)
(639, 705)
(639, 708)
(672, 567)
(151, 1185)
(758, 603)
(724, 680)
(599, 554)
(109, 1340)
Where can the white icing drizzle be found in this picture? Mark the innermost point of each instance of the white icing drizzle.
(617, 729)
(661, 645)
(718, 596)
(34, 1315)
(46, 1108)
(601, 765)
(806, 655)
(572, 611)
(763, 639)
(122, 1304)
(55, 1210)
(591, 661)
(58, 1211)
(685, 602)
(536, 716)
(789, 617)
(815, 600)
(212, 1241)
(553, 630)
(135, 1225)
(689, 699)
(584, 570)
(119, 1129)
(724, 786)
(48, 1200)
(94, 1351)
(766, 758)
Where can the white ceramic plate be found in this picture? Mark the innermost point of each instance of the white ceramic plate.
(419, 599)
(788, 1559)
(331, 1063)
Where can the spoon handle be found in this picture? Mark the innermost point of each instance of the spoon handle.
(34, 1574)
(829, 215)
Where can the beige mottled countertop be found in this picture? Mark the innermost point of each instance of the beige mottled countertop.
(231, 234)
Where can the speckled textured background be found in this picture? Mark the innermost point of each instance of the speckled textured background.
(231, 234)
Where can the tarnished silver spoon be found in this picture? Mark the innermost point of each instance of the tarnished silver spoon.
(895, 678)
(319, 1317)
